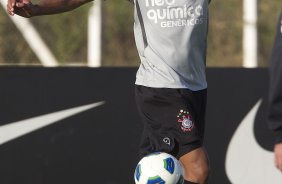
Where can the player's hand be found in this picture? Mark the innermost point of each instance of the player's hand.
(22, 8)
(21, 3)
(278, 156)
(10, 7)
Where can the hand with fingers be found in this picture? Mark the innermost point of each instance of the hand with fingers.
(10, 7)
(22, 8)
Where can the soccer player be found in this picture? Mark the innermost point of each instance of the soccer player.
(171, 87)
(275, 95)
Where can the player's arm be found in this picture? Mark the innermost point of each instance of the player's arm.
(26, 8)
(275, 95)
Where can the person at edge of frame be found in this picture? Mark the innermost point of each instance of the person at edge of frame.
(170, 85)
(274, 114)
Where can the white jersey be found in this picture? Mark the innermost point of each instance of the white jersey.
(171, 38)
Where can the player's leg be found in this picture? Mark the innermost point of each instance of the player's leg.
(174, 123)
(196, 166)
(193, 155)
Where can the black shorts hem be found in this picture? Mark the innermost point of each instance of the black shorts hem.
(186, 149)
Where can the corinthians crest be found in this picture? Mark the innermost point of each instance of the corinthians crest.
(186, 121)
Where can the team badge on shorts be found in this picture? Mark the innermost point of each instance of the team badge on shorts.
(186, 121)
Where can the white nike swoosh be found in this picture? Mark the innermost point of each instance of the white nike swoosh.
(246, 161)
(17, 129)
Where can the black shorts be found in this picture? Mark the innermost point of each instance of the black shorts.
(174, 119)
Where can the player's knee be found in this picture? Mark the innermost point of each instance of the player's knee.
(202, 172)
(197, 172)
(196, 166)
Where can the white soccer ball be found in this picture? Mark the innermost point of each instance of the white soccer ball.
(159, 168)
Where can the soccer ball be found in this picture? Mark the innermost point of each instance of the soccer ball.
(159, 168)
